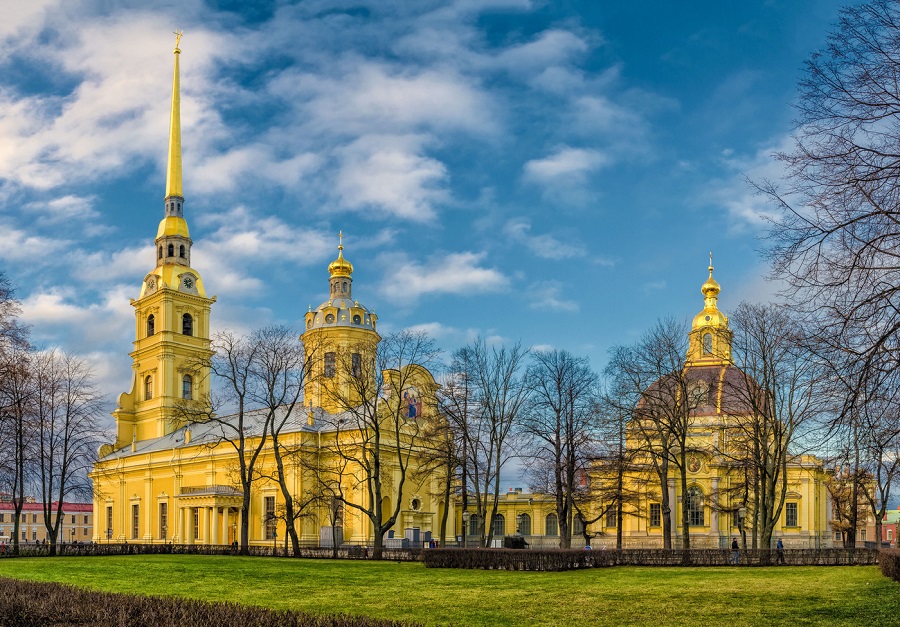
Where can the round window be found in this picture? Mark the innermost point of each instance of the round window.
(329, 319)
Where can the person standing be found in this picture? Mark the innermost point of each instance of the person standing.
(735, 551)
(779, 549)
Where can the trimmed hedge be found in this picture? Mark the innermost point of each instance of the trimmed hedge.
(33, 604)
(313, 552)
(573, 559)
(889, 561)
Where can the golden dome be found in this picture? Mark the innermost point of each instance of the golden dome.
(340, 266)
(172, 225)
(711, 288)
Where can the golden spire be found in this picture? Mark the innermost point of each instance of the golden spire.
(173, 170)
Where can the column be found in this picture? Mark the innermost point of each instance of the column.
(673, 505)
(214, 525)
(240, 523)
(204, 524)
(225, 511)
(714, 516)
(180, 516)
(189, 525)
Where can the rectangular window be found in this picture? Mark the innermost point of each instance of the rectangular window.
(611, 518)
(85, 519)
(330, 364)
(655, 514)
(356, 365)
(73, 519)
(890, 534)
(34, 535)
(34, 519)
(196, 524)
(135, 521)
(163, 520)
(837, 536)
(270, 517)
(790, 514)
(109, 521)
(862, 535)
(1, 517)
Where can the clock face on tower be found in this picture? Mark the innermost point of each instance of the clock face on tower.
(188, 282)
(151, 283)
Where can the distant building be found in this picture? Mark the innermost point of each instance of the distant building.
(77, 524)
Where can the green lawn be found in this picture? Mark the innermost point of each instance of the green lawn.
(604, 596)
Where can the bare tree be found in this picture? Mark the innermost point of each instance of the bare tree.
(278, 375)
(653, 383)
(559, 425)
(67, 410)
(234, 366)
(19, 433)
(836, 241)
(379, 428)
(775, 397)
(492, 405)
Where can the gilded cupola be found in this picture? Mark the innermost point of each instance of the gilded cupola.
(340, 310)
(710, 337)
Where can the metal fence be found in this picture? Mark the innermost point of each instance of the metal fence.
(595, 558)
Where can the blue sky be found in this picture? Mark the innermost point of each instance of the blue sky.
(550, 172)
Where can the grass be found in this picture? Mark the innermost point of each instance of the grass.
(408, 591)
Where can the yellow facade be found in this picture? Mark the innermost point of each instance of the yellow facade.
(712, 481)
(167, 479)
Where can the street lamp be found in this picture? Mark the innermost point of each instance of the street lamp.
(108, 535)
(465, 519)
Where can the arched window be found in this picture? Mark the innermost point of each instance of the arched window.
(473, 525)
(551, 525)
(171, 250)
(151, 325)
(187, 387)
(187, 325)
(695, 506)
(160, 252)
(499, 526)
(330, 364)
(148, 388)
(344, 287)
(357, 319)
(577, 526)
(181, 251)
(524, 524)
(707, 344)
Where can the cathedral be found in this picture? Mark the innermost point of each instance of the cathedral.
(170, 478)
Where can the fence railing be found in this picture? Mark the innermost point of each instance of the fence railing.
(486, 558)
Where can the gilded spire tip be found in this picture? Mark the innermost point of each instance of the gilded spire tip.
(178, 34)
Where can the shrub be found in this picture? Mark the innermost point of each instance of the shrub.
(571, 559)
(33, 604)
(889, 561)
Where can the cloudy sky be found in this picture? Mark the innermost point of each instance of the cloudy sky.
(550, 172)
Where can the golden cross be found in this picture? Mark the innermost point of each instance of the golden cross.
(341, 240)
(178, 34)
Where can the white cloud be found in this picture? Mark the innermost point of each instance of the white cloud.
(548, 295)
(544, 245)
(747, 208)
(389, 176)
(19, 245)
(566, 165)
(64, 208)
(454, 273)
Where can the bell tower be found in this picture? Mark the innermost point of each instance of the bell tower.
(710, 337)
(172, 312)
(340, 343)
